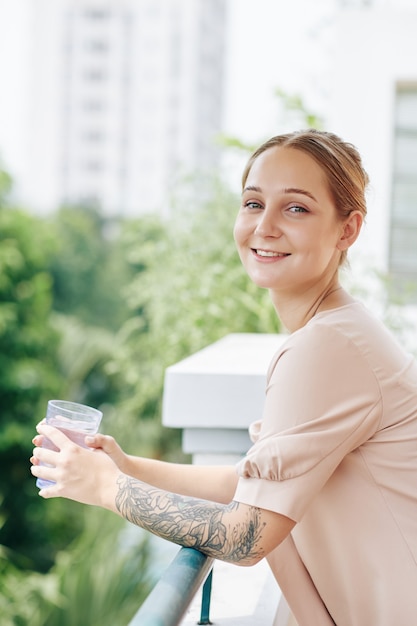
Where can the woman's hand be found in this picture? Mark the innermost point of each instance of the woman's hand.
(98, 441)
(81, 474)
(109, 445)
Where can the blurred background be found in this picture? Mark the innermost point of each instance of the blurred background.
(124, 128)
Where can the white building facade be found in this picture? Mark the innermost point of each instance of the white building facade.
(123, 97)
(372, 102)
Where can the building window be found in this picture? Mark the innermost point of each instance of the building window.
(93, 166)
(96, 14)
(97, 46)
(403, 232)
(93, 105)
(93, 136)
(95, 75)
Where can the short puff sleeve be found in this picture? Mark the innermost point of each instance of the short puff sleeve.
(322, 402)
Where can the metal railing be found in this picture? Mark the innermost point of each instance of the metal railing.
(173, 593)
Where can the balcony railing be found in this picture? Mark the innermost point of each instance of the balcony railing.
(170, 598)
(213, 396)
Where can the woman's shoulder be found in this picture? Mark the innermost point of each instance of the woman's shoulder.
(347, 331)
(353, 321)
(335, 324)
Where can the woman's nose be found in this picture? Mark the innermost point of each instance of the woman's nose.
(268, 225)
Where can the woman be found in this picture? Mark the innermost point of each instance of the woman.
(328, 492)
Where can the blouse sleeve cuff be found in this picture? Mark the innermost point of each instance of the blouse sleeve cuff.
(272, 495)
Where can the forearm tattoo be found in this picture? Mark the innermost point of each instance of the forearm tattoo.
(191, 522)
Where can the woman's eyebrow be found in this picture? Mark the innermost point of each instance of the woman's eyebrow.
(251, 188)
(303, 192)
(287, 190)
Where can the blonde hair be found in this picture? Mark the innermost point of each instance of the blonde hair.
(339, 160)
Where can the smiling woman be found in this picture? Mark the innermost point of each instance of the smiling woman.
(327, 493)
(295, 224)
(339, 162)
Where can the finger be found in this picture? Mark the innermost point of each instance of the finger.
(45, 455)
(93, 441)
(44, 472)
(53, 434)
(47, 492)
(38, 440)
(106, 442)
(43, 493)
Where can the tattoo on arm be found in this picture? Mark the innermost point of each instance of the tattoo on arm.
(206, 526)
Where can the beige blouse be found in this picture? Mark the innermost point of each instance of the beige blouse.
(336, 451)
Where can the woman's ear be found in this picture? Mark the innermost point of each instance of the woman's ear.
(350, 230)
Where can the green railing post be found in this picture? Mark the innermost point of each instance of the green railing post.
(205, 600)
(173, 593)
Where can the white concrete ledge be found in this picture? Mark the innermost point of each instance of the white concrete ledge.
(221, 386)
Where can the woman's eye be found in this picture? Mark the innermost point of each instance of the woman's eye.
(297, 209)
(251, 204)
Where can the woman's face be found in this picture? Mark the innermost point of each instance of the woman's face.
(287, 230)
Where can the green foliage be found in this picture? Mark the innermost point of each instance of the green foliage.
(5, 186)
(232, 142)
(104, 578)
(191, 291)
(83, 352)
(25, 597)
(43, 355)
(294, 108)
(293, 113)
(89, 271)
(101, 579)
(28, 376)
(87, 267)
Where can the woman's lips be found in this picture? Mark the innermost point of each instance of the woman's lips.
(269, 253)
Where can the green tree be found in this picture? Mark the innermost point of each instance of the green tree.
(89, 271)
(5, 186)
(87, 267)
(100, 578)
(28, 377)
(104, 576)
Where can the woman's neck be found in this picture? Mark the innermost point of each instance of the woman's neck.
(295, 311)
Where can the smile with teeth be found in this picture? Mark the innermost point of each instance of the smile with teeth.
(270, 253)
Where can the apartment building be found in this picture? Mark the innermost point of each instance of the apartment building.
(124, 97)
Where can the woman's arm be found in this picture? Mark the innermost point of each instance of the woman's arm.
(216, 483)
(232, 531)
(209, 482)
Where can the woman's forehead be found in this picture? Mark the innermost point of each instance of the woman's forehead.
(286, 166)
